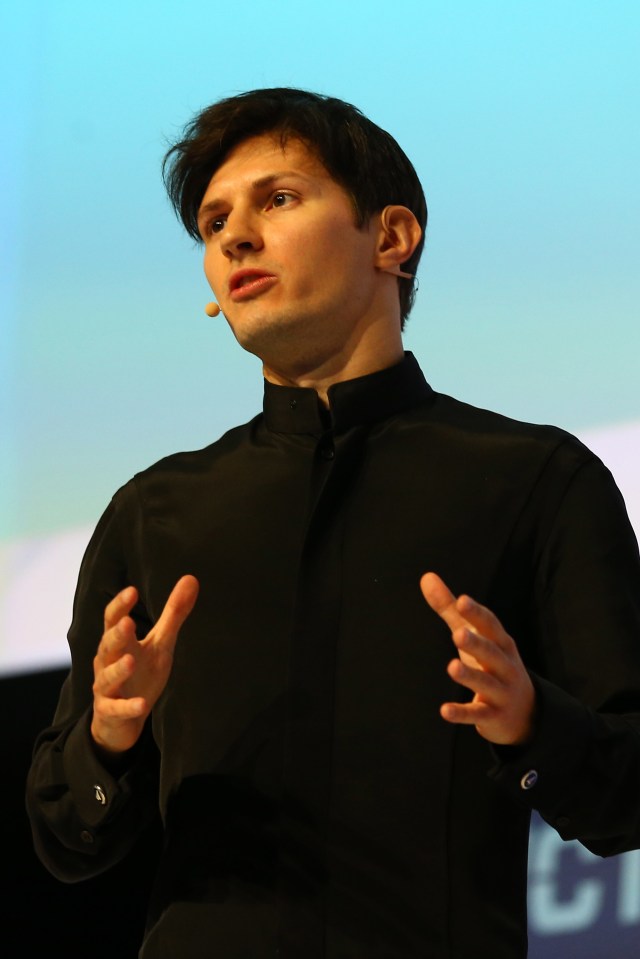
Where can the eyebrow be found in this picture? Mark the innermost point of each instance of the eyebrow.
(257, 185)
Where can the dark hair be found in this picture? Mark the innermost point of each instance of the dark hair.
(364, 159)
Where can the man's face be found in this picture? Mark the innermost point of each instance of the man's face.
(292, 272)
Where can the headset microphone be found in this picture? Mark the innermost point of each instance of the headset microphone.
(396, 271)
(212, 309)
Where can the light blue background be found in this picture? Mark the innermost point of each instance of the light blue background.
(521, 119)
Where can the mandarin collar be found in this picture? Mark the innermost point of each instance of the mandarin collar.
(293, 409)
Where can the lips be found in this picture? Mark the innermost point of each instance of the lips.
(247, 283)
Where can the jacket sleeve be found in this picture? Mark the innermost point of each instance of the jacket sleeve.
(581, 771)
(85, 817)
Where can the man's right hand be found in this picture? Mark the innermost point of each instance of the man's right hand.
(130, 674)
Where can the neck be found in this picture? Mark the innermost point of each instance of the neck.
(320, 373)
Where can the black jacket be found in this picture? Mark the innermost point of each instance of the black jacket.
(314, 802)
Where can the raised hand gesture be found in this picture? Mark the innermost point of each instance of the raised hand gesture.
(130, 674)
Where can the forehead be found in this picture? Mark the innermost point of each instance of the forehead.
(265, 156)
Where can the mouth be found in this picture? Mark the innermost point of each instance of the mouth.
(245, 284)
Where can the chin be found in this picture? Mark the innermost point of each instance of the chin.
(268, 333)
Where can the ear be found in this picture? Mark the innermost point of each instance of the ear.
(400, 234)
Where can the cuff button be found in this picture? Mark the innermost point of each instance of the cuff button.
(99, 794)
(529, 779)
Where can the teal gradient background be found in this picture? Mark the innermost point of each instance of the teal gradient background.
(520, 118)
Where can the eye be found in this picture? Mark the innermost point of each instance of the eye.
(216, 225)
(281, 198)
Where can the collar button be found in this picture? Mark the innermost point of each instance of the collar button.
(327, 451)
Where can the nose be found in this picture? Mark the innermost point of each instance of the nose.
(241, 234)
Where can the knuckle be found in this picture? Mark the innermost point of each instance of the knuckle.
(99, 710)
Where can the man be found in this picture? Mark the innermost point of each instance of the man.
(343, 745)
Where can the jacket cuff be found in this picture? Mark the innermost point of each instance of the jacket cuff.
(545, 774)
(96, 791)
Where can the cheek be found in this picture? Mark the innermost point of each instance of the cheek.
(332, 253)
(211, 267)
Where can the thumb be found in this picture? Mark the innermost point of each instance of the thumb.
(181, 601)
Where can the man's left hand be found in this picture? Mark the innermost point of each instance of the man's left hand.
(489, 664)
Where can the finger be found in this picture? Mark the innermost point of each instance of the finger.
(108, 708)
(482, 683)
(468, 714)
(441, 600)
(485, 652)
(109, 679)
(181, 601)
(121, 605)
(463, 611)
(115, 641)
(483, 621)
